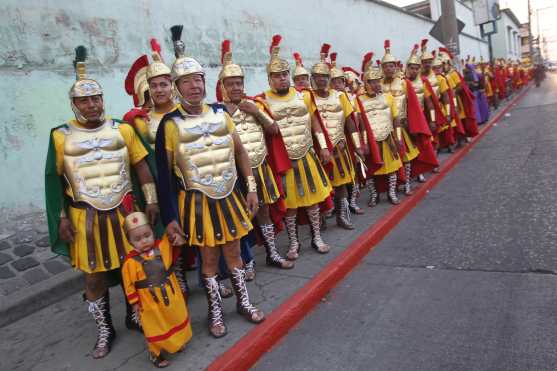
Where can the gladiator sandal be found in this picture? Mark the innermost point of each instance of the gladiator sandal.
(316, 241)
(407, 183)
(373, 195)
(217, 328)
(273, 258)
(100, 309)
(159, 361)
(292, 230)
(392, 189)
(352, 200)
(132, 319)
(224, 291)
(250, 270)
(243, 305)
(180, 273)
(343, 214)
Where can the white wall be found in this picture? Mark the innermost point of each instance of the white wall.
(37, 39)
(506, 42)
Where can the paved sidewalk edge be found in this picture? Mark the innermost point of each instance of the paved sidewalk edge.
(246, 351)
(39, 296)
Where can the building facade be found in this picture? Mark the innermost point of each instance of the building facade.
(507, 42)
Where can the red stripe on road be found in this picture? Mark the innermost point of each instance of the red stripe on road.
(246, 351)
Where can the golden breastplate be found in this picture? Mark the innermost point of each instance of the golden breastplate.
(419, 89)
(333, 115)
(434, 84)
(97, 165)
(379, 115)
(294, 121)
(252, 136)
(396, 89)
(152, 126)
(205, 154)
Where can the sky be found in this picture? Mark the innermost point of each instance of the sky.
(546, 14)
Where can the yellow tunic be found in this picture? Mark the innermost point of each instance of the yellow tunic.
(299, 193)
(444, 87)
(343, 169)
(234, 203)
(454, 81)
(166, 327)
(391, 159)
(78, 249)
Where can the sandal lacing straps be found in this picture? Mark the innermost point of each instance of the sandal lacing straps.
(392, 189)
(373, 195)
(316, 241)
(292, 230)
(243, 305)
(217, 328)
(100, 309)
(273, 258)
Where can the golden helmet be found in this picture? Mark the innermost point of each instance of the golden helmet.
(335, 71)
(388, 57)
(136, 83)
(183, 66)
(414, 58)
(321, 67)
(157, 68)
(83, 87)
(229, 69)
(351, 75)
(437, 62)
(299, 70)
(374, 72)
(426, 55)
(445, 55)
(367, 62)
(276, 63)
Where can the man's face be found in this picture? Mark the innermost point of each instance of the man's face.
(446, 67)
(192, 88)
(389, 69)
(338, 83)
(160, 88)
(438, 69)
(373, 86)
(302, 82)
(426, 65)
(280, 81)
(321, 81)
(234, 87)
(90, 107)
(412, 71)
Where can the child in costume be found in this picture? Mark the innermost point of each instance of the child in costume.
(153, 291)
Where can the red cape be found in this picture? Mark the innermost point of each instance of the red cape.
(419, 129)
(468, 100)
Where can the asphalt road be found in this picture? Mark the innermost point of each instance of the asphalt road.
(467, 281)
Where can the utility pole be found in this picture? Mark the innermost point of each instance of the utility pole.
(530, 32)
(450, 27)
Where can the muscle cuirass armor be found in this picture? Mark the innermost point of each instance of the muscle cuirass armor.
(332, 114)
(419, 88)
(432, 78)
(96, 165)
(205, 154)
(152, 126)
(252, 136)
(397, 88)
(294, 121)
(379, 115)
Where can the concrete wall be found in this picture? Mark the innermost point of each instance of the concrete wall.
(506, 42)
(37, 39)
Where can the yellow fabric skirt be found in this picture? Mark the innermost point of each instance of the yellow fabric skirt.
(411, 150)
(461, 111)
(209, 222)
(78, 249)
(267, 190)
(306, 188)
(165, 327)
(391, 159)
(343, 168)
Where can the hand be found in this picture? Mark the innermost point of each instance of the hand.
(152, 211)
(248, 107)
(325, 156)
(272, 129)
(175, 234)
(66, 231)
(252, 203)
(365, 150)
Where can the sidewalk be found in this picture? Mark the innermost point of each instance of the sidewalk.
(64, 332)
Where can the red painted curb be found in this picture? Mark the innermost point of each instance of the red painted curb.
(246, 351)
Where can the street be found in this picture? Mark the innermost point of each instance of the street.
(467, 280)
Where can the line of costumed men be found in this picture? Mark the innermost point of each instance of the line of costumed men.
(215, 179)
